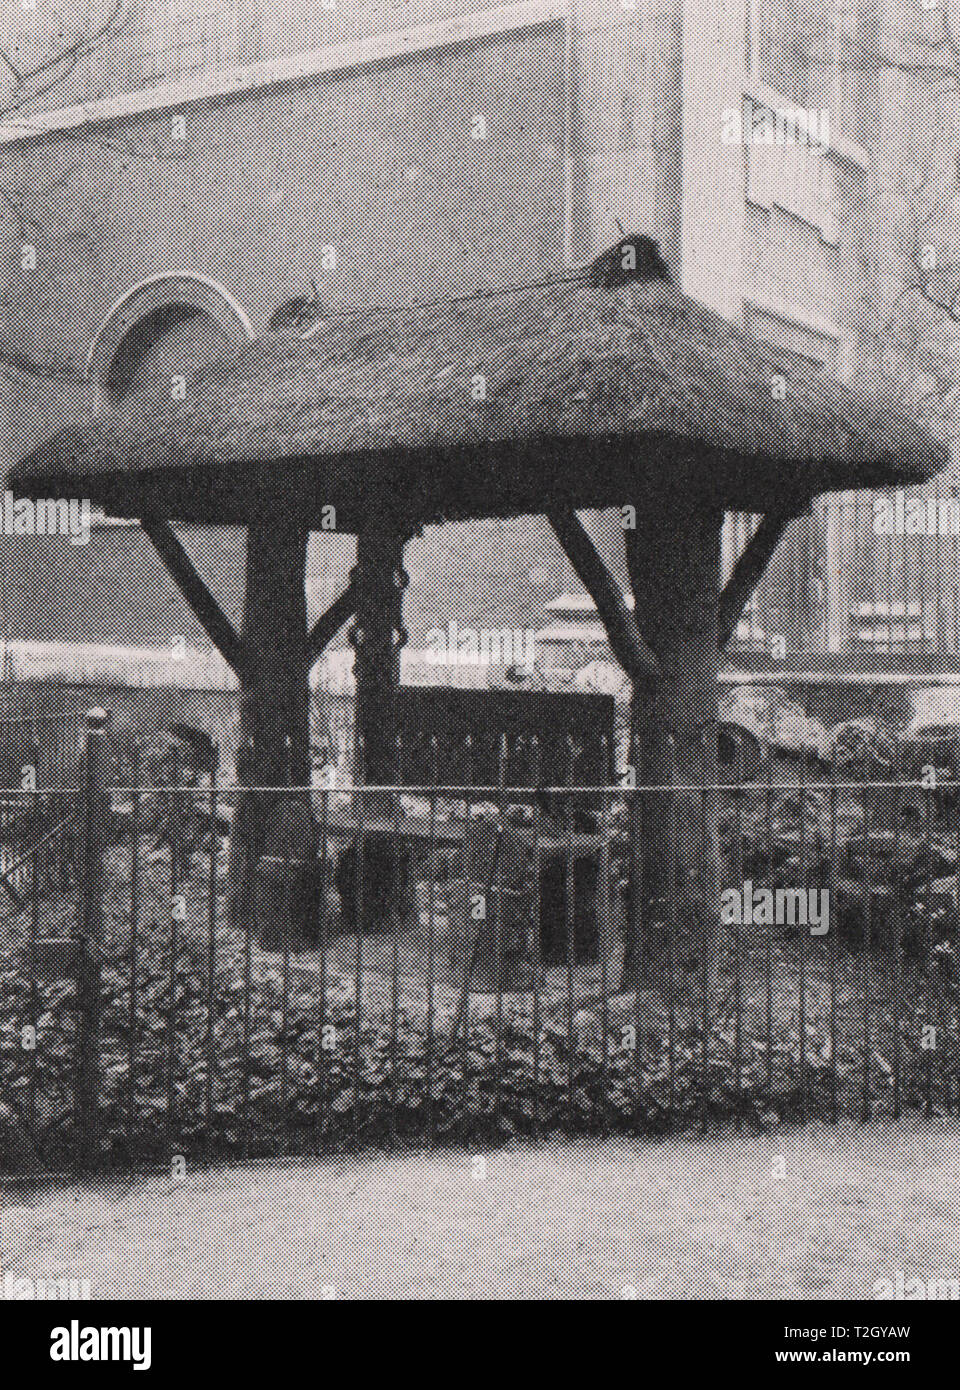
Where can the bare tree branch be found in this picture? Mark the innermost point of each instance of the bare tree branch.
(25, 90)
(30, 85)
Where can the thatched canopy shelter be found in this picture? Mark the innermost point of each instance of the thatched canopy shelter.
(607, 390)
(458, 408)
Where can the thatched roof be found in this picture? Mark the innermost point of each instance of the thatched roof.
(593, 392)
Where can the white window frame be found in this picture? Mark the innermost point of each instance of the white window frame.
(753, 55)
(839, 144)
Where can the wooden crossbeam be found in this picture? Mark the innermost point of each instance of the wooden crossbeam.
(329, 623)
(749, 569)
(9, 889)
(209, 614)
(628, 646)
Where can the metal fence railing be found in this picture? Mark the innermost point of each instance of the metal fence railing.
(37, 850)
(49, 744)
(214, 970)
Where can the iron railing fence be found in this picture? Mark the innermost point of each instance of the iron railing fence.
(37, 830)
(50, 744)
(450, 961)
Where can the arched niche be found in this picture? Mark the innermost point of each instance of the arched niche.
(169, 324)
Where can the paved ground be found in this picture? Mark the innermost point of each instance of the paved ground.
(820, 1213)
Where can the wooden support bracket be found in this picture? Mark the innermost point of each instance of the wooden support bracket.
(208, 612)
(749, 569)
(329, 623)
(628, 646)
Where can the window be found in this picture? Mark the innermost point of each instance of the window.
(794, 48)
(818, 55)
(888, 626)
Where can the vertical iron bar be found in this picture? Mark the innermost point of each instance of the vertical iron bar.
(956, 812)
(322, 948)
(956, 848)
(955, 790)
(95, 811)
(802, 987)
(928, 949)
(708, 932)
(569, 922)
(247, 995)
(603, 928)
(537, 778)
(175, 812)
(832, 943)
(134, 941)
(897, 931)
(672, 924)
(467, 936)
(286, 926)
(395, 943)
(867, 945)
(635, 891)
(768, 933)
(738, 941)
(431, 929)
(34, 986)
(498, 928)
(211, 954)
(360, 913)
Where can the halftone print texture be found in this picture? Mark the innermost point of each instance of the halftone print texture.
(479, 650)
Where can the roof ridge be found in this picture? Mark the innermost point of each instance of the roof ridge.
(603, 272)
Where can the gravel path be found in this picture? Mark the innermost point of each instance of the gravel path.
(684, 1218)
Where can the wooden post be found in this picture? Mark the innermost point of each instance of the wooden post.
(95, 815)
(274, 689)
(838, 574)
(749, 569)
(622, 631)
(378, 636)
(181, 570)
(674, 561)
(275, 698)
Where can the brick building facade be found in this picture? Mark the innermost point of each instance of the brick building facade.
(181, 181)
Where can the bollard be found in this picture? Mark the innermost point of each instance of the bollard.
(94, 814)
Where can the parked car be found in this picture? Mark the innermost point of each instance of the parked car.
(932, 734)
(781, 724)
(863, 745)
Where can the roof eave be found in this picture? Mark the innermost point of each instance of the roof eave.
(498, 479)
